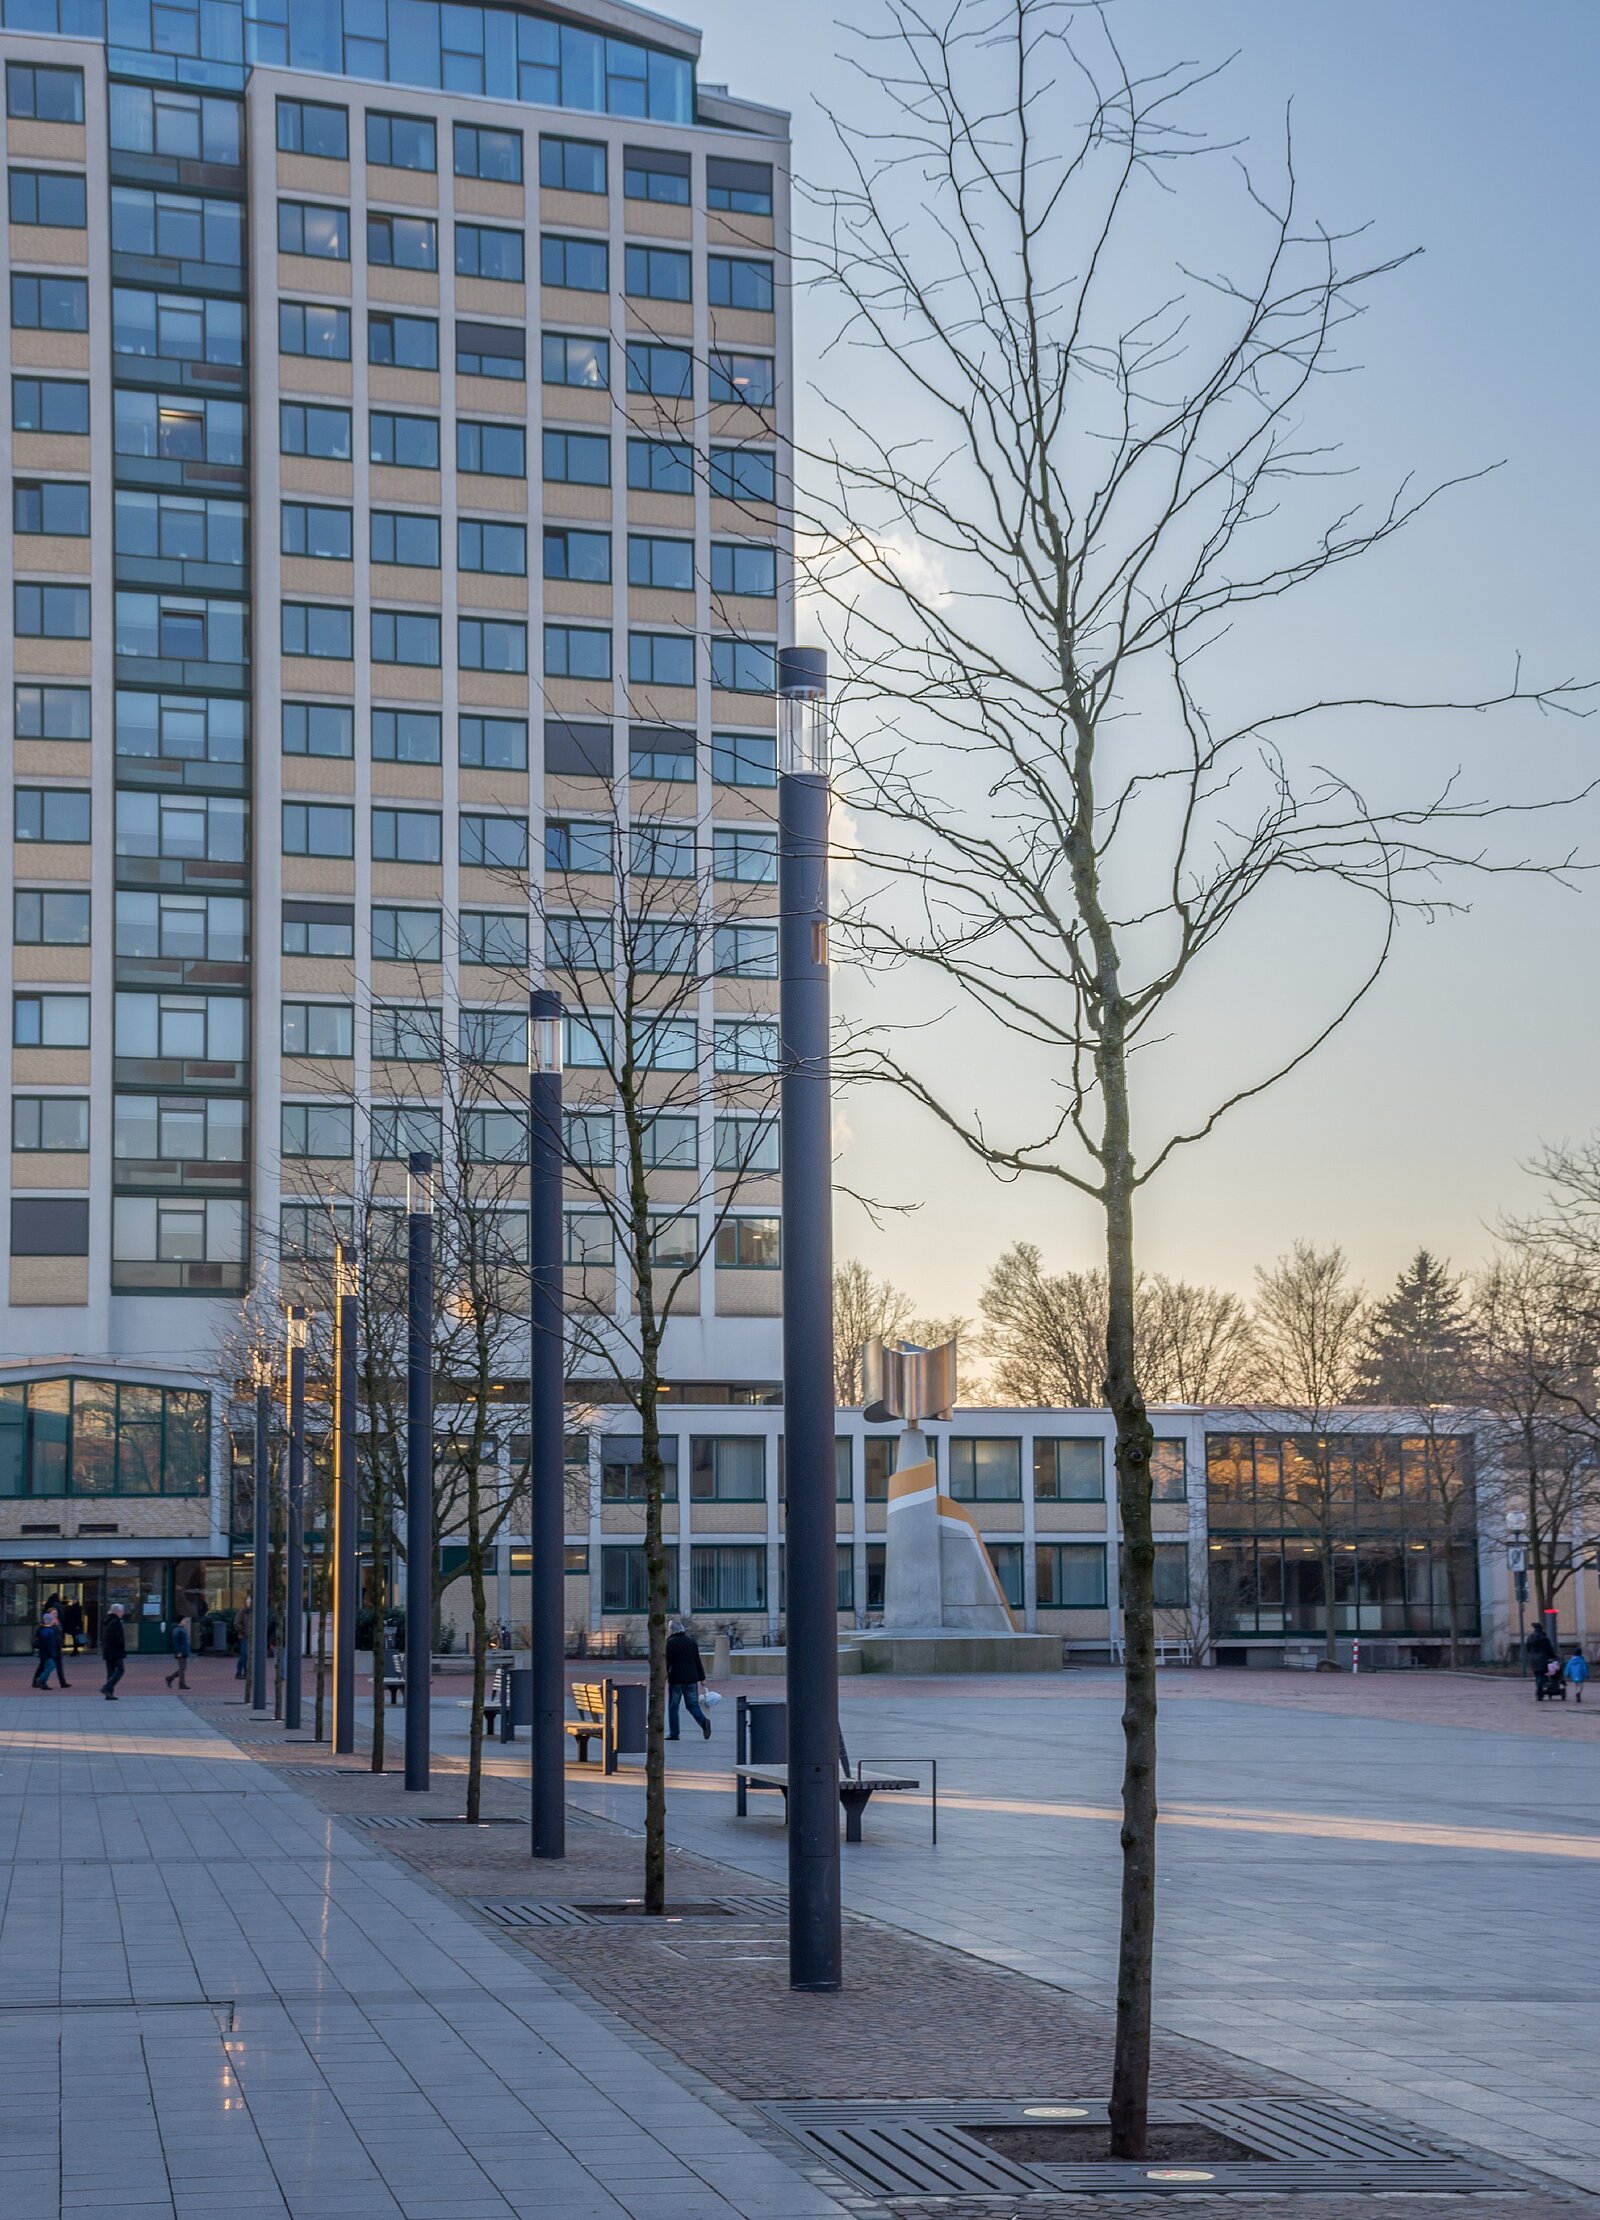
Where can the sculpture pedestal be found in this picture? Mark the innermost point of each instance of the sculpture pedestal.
(912, 1651)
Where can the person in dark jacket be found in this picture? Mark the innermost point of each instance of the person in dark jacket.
(47, 1641)
(686, 1676)
(241, 1628)
(1537, 1651)
(180, 1650)
(72, 1625)
(114, 1649)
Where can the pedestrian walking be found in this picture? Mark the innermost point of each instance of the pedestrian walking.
(241, 1628)
(72, 1625)
(114, 1649)
(47, 1641)
(1577, 1671)
(686, 1676)
(1538, 1652)
(180, 1650)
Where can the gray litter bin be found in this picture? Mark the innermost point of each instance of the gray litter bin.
(632, 1700)
(769, 1733)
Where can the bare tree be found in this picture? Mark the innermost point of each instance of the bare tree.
(863, 1306)
(1071, 476)
(1046, 1332)
(1199, 1343)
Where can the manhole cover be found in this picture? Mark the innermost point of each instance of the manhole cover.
(1278, 2145)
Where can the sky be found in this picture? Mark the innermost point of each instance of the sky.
(1464, 129)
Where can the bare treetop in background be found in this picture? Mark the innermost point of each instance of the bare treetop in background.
(1064, 487)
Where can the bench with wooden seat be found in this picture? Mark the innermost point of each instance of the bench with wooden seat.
(857, 1786)
(612, 1711)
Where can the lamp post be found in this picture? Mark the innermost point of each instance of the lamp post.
(261, 1528)
(346, 1505)
(1517, 1560)
(419, 1465)
(546, 1386)
(293, 1636)
(815, 1942)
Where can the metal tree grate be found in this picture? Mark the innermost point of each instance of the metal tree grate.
(523, 1912)
(1300, 2146)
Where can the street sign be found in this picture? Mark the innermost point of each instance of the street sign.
(1517, 1558)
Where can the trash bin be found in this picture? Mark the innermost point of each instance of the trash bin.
(519, 1708)
(768, 1728)
(632, 1699)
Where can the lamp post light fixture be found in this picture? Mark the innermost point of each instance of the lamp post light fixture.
(812, 1637)
(546, 1418)
(346, 1503)
(261, 1530)
(294, 1600)
(419, 1465)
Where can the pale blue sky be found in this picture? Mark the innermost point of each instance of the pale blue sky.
(1466, 129)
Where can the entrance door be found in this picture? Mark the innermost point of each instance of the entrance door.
(78, 1597)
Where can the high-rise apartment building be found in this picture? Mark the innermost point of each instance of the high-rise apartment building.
(398, 405)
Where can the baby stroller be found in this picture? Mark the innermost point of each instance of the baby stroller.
(1551, 1684)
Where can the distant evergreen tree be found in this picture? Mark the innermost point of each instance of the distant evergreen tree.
(1417, 1347)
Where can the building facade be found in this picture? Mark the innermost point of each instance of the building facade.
(399, 406)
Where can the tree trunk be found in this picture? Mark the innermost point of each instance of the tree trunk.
(655, 1557)
(319, 1591)
(380, 1606)
(480, 1634)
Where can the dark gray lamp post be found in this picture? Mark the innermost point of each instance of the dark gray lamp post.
(294, 1601)
(546, 1418)
(346, 1507)
(419, 1466)
(815, 1945)
(261, 1528)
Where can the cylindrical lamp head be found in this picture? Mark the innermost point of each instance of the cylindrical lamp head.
(298, 1315)
(419, 1184)
(803, 710)
(545, 1029)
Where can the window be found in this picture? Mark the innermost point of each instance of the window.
(95, 1438)
(744, 474)
(578, 944)
(745, 855)
(313, 628)
(180, 126)
(672, 1144)
(55, 197)
(625, 1577)
(744, 759)
(494, 1036)
(655, 173)
(307, 529)
(750, 380)
(1006, 1559)
(192, 928)
(50, 1021)
(406, 936)
(656, 274)
(1071, 1576)
(180, 629)
(314, 127)
(1170, 1580)
(491, 351)
(728, 1576)
(181, 728)
(1069, 1470)
(661, 752)
(727, 1468)
(664, 947)
(44, 93)
(660, 466)
(576, 651)
(318, 728)
(401, 142)
(177, 1027)
(52, 712)
(319, 929)
(985, 1468)
(197, 1129)
(406, 836)
(572, 165)
(577, 458)
(176, 327)
(402, 342)
(50, 507)
(748, 1045)
(741, 188)
(51, 612)
(577, 848)
(674, 1241)
(492, 450)
(405, 636)
(589, 1137)
(667, 372)
(406, 735)
(588, 1044)
(571, 553)
(50, 1125)
(661, 851)
(569, 360)
(318, 829)
(154, 426)
(744, 570)
(494, 843)
(198, 828)
(44, 919)
(178, 228)
(305, 227)
(664, 565)
(494, 743)
(580, 751)
(318, 1129)
(314, 328)
(404, 442)
(495, 644)
(1169, 1472)
(55, 405)
(483, 251)
(397, 537)
(748, 1145)
(743, 666)
(309, 428)
(54, 813)
(665, 1044)
(581, 265)
(749, 1245)
(491, 154)
(622, 1470)
(734, 282)
(501, 549)
(399, 1130)
(406, 1033)
(50, 303)
(745, 952)
(495, 937)
(176, 528)
(309, 1232)
(660, 659)
(495, 1137)
(403, 242)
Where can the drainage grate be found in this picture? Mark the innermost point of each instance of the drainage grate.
(764, 1911)
(375, 1819)
(1304, 2146)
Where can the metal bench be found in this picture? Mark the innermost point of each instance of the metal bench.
(612, 1711)
(857, 1786)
